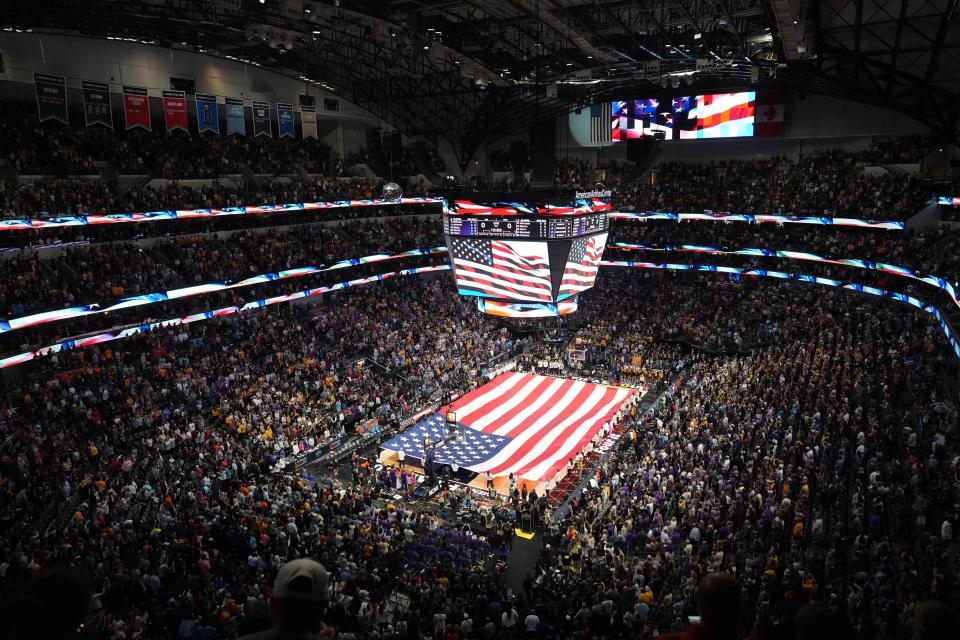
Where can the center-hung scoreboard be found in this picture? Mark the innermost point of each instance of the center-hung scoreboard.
(527, 259)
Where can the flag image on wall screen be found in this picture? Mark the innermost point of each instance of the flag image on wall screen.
(641, 118)
(580, 272)
(506, 269)
(720, 115)
(717, 115)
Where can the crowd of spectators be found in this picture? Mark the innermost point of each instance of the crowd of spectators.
(821, 465)
(802, 446)
(53, 148)
(828, 183)
(500, 160)
(898, 150)
(757, 466)
(102, 272)
(573, 173)
(925, 252)
(73, 197)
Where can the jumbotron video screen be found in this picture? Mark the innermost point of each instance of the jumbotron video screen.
(506, 269)
(717, 115)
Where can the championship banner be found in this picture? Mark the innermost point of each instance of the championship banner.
(51, 97)
(235, 119)
(96, 103)
(136, 107)
(285, 126)
(308, 121)
(261, 118)
(207, 117)
(175, 110)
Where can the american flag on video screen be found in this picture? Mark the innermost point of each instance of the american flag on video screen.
(722, 115)
(582, 263)
(517, 423)
(601, 125)
(502, 269)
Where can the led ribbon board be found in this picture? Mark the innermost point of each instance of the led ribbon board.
(932, 280)
(709, 216)
(799, 277)
(175, 294)
(86, 341)
(190, 214)
(526, 310)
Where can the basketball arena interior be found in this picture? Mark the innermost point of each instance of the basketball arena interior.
(480, 319)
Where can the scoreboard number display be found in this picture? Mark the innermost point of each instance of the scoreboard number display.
(539, 228)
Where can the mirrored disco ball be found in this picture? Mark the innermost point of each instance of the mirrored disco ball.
(391, 191)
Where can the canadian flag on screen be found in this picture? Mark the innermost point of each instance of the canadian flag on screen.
(768, 119)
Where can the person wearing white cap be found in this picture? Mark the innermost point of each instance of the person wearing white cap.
(299, 600)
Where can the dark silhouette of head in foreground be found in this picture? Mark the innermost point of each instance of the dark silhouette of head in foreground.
(53, 605)
(818, 621)
(298, 602)
(718, 601)
(933, 620)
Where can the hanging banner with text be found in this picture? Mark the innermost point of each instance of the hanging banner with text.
(308, 121)
(207, 117)
(136, 107)
(235, 119)
(51, 97)
(261, 118)
(285, 120)
(96, 103)
(175, 110)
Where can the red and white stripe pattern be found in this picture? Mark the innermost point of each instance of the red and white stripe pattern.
(512, 270)
(600, 129)
(466, 207)
(580, 272)
(548, 420)
(723, 115)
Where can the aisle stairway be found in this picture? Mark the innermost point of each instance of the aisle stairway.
(576, 479)
(521, 561)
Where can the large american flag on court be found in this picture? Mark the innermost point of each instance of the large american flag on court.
(512, 270)
(580, 272)
(518, 423)
(601, 122)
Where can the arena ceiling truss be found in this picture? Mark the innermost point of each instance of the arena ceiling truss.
(473, 70)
